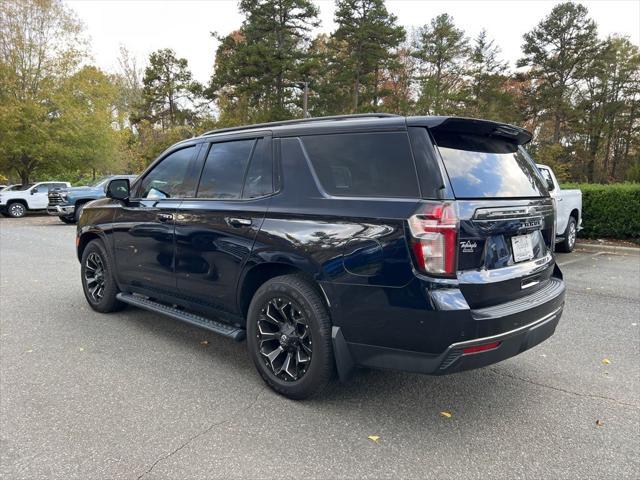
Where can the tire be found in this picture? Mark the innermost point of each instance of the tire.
(287, 313)
(78, 212)
(570, 233)
(67, 220)
(95, 260)
(16, 210)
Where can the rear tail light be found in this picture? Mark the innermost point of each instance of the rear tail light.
(434, 235)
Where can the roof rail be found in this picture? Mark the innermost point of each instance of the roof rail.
(300, 120)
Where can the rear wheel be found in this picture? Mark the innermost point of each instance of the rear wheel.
(16, 210)
(289, 337)
(98, 282)
(570, 235)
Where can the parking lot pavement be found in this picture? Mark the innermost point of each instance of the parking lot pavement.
(133, 395)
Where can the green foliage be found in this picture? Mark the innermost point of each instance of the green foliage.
(169, 92)
(257, 68)
(441, 49)
(610, 211)
(366, 36)
(559, 50)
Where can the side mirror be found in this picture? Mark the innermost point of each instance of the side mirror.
(550, 185)
(118, 189)
(33, 191)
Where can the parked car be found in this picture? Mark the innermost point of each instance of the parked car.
(16, 203)
(67, 203)
(16, 186)
(422, 244)
(568, 211)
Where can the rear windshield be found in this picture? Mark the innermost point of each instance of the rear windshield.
(485, 167)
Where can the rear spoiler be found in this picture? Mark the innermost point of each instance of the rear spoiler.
(473, 125)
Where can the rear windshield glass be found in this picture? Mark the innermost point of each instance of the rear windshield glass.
(364, 164)
(485, 167)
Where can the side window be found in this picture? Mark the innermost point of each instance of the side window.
(42, 188)
(174, 177)
(364, 164)
(259, 180)
(224, 169)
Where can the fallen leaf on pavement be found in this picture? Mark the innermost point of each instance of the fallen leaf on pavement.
(599, 423)
(446, 413)
(81, 349)
(204, 343)
(374, 438)
(606, 361)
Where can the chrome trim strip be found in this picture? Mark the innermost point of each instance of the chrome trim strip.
(501, 336)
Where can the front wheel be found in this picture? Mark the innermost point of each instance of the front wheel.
(570, 234)
(78, 212)
(16, 210)
(289, 337)
(98, 283)
(68, 220)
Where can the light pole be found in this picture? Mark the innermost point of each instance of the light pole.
(304, 86)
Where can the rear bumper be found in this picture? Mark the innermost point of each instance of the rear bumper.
(61, 210)
(533, 319)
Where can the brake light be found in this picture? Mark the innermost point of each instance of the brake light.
(434, 232)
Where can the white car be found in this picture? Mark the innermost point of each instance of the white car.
(16, 203)
(568, 211)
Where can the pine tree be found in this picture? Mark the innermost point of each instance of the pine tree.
(259, 66)
(441, 50)
(367, 34)
(558, 51)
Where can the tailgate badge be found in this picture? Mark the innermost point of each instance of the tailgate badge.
(468, 246)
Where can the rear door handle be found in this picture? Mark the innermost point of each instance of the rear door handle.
(165, 217)
(239, 222)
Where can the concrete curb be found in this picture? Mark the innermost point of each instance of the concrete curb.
(619, 250)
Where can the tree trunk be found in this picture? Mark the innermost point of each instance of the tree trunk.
(356, 92)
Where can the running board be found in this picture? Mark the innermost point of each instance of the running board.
(224, 329)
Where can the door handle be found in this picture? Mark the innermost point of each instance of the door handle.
(165, 217)
(239, 222)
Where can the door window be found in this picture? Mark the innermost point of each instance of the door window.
(259, 180)
(175, 176)
(224, 170)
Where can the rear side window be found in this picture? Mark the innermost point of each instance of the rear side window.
(364, 164)
(224, 169)
(173, 177)
(480, 166)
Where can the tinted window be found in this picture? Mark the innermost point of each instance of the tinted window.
(364, 164)
(43, 188)
(484, 167)
(224, 169)
(259, 179)
(175, 176)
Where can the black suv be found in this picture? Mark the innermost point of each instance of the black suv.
(422, 244)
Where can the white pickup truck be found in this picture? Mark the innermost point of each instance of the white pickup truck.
(15, 203)
(568, 211)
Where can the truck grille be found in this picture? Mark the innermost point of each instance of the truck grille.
(55, 198)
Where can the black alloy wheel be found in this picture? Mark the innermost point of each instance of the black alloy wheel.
(94, 276)
(99, 286)
(289, 336)
(285, 339)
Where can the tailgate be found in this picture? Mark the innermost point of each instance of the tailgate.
(506, 217)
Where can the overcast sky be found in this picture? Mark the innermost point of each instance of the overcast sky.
(147, 25)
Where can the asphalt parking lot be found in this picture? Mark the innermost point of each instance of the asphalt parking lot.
(133, 395)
